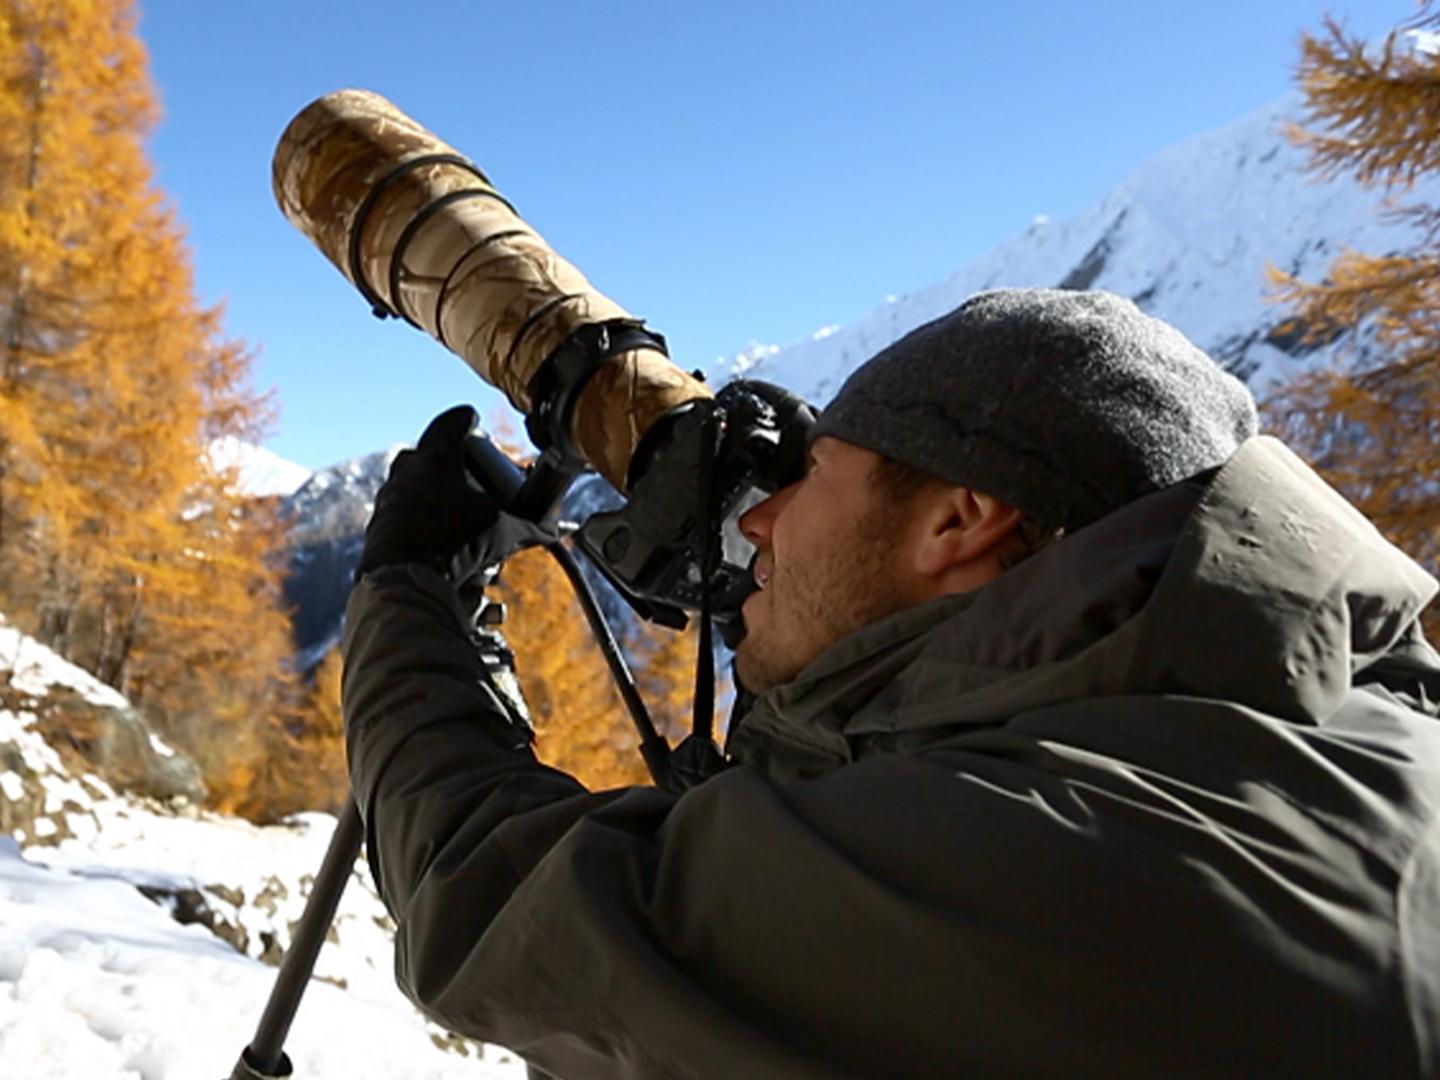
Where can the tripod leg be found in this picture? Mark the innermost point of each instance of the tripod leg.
(264, 1058)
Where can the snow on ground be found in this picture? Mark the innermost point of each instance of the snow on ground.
(98, 981)
(34, 669)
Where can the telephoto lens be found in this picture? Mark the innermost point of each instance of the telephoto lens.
(422, 233)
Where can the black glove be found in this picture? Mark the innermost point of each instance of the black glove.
(433, 510)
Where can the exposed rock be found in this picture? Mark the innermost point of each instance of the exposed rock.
(27, 810)
(326, 519)
(114, 743)
(1093, 264)
(67, 741)
(188, 906)
(1297, 338)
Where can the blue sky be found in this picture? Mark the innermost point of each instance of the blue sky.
(733, 172)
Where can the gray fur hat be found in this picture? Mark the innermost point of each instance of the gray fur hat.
(1066, 405)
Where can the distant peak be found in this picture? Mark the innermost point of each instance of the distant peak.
(1421, 42)
(259, 472)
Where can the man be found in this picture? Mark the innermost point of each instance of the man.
(1093, 736)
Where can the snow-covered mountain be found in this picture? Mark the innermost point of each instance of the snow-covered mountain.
(258, 471)
(1187, 235)
(327, 516)
(137, 934)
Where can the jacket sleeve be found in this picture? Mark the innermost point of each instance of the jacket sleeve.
(411, 665)
(597, 934)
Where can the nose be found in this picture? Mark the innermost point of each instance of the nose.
(757, 523)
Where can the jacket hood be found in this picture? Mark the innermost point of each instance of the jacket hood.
(1262, 587)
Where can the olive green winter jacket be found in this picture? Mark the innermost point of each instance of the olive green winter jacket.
(1163, 800)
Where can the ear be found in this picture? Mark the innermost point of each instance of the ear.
(961, 535)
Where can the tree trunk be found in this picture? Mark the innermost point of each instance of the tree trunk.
(15, 332)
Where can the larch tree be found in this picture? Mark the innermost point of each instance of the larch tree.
(100, 412)
(305, 764)
(1373, 427)
(121, 546)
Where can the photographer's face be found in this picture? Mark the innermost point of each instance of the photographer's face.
(825, 563)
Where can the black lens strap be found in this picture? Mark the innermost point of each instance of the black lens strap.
(378, 307)
(397, 257)
(559, 380)
(443, 293)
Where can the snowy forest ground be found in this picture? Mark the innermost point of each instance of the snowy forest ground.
(98, 981)
(107, 971)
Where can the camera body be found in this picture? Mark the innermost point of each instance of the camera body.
(676, 546)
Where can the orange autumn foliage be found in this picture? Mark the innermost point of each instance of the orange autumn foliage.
(306, 768)
(121, 546)
(580, 722)
(1373, 427)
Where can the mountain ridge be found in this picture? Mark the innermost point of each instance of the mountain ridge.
(1187, 234)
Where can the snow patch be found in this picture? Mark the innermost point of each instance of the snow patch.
(98, 976)
(1422, 42)
(258, 472)
(35, 669)
(98, 980)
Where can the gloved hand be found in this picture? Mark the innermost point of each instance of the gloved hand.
(431, 510)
